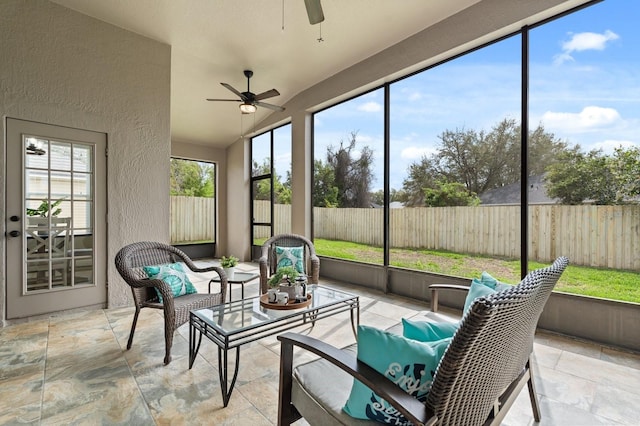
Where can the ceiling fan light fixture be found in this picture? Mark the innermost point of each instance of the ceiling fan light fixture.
(247, 108)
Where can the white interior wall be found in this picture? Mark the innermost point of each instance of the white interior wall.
(64, 68)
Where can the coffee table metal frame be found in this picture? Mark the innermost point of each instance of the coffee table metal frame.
(209, 322)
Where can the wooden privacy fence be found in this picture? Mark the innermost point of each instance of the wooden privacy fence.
(599, 236)
(192, 219)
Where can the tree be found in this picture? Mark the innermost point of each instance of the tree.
(192, 178)
(325, 193)
(595, 177)
(450, 194)
(626, 170)
(420, 176)
(344, 180)
(480, 161)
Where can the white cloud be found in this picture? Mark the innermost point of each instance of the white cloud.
(370, 107)
(590, 117)
(414, 152)
(609, 146)
(584, 41)
(415, 96)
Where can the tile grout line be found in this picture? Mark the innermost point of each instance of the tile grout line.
(44, 370)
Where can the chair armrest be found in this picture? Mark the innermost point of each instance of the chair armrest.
(414, 410)
(437, 287)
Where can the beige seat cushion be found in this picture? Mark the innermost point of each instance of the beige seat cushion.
(320, 389)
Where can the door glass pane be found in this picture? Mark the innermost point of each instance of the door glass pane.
(261, 154)
(261, 234)
(82, 161)
(262, 200)
(36, 153)
(54, 217)
(60, 155)
(82, 186)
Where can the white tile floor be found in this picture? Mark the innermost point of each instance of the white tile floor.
(74, 369)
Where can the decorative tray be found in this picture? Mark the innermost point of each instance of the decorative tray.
(264, 301)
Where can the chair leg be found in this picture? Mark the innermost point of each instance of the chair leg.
(285, 412)
(133, 328)
(168, 341)
(533, 396)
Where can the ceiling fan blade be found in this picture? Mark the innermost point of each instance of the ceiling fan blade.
(269, 106)
(268, 94)
(228, 86)
(225, 100)
(314, 10)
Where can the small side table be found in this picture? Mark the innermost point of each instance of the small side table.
(238, 278)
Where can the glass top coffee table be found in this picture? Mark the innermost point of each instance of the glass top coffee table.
(233, 324)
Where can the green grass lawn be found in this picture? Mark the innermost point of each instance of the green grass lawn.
(596, 282)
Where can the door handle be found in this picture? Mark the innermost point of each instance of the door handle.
(14, 233)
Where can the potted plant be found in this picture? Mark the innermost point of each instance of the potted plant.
(46, 209)
(43, 211)
(229, 265)
(284, 279)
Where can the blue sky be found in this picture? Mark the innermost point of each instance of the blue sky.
(584, 88)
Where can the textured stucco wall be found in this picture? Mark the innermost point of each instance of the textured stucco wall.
(64, 68)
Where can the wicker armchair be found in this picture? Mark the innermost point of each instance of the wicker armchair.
(479, 376)
(129, 262)
(268, 262)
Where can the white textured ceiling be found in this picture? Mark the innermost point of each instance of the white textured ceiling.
(213, 41)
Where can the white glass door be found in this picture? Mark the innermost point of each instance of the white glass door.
(55, 211)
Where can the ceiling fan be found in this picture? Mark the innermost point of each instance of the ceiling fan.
(250, 101)
(314, 11)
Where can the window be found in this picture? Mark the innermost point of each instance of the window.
(348, 179)
(193, 212)
(455, 138)
(271, 183)
(585, 91)
(456, 169)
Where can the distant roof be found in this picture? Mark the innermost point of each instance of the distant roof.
(510, 194)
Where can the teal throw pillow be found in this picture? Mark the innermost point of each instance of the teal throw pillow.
(174, 275)
(408, 363)
(427, 331)
(290, 256)
(477, 289)
(493, 283)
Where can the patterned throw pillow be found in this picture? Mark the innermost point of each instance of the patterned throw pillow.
(408, 363)
(174, 275)
(290, 256)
